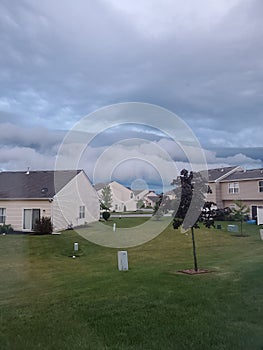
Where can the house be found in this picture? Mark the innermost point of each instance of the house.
(66, 196)
(148, 198)
(140, 194)
(170, 194)
(151, 200)
(122, 198)
(236, 184)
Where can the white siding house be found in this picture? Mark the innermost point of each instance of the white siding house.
(123, 199)
(66, 196)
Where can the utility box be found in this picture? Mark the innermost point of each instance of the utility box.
(232, 228)
(123, 260)
(76, 247)
(260, 215)
(261, 233)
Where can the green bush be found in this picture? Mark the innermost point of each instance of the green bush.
(106, 215)
(6, 229)
(43, 226)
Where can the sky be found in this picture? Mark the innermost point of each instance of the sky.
(62, 61)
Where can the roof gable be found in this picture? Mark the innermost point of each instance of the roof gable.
(218, 174)
(34, 184)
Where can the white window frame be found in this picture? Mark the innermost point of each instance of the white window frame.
(233, 187)
(2, 215)
(82, 210)
(260, 186)
(31, 210)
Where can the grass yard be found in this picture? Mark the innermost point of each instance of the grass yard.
(51, 301)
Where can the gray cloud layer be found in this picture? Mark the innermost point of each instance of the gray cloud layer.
(61, 60)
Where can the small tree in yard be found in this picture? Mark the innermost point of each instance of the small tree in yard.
(106, 196)
(140, 204)
(192, 207)
(239, 213)
(158, 209)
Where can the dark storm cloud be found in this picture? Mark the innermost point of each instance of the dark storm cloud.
(38, 138)
(62, 60)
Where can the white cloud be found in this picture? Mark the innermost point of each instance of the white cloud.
(20, 158)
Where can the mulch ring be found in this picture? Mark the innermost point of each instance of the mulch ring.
(193, 272)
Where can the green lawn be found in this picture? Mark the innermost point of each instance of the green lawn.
(51, 301)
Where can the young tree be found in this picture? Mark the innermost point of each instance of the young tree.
(239, 213)
(158, 209)
(140, 204)
(106, 197)
(192, 207)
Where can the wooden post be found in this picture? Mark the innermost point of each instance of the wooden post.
(194, 249)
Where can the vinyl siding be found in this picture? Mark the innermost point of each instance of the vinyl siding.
(15, 210)
(65, 207)
(248, 190)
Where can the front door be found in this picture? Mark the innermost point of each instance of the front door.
(254, 212)
(31, 216)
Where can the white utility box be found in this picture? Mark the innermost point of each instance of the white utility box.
(261, 233)
(123, 260)
(260, 215)
(76, 247)
(232, 228)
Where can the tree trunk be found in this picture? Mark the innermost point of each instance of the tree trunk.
(194, 249)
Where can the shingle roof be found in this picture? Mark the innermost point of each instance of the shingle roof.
(136, 192)
(101, 185)
(215, 174)
(35, 184)
(251, 174)
(154, 199)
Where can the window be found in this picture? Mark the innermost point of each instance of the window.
(260, 184)
(131, 195)
(82, 212)
(31, 216)
(2, 215)
(233, 187)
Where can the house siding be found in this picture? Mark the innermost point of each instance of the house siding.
(15, 210)
(65, 207)
(248, 193)
(211, 197)
(248, 190)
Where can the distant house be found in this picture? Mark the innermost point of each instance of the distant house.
(237, 184)
(66, 196)
(148, 198)
(123, 198)
(215, 176)
(140, 194)
(170, 194)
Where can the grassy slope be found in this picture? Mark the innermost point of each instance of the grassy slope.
(50, 301)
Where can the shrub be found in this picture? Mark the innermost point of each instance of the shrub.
(6, 228)
(106, 215)
(43, 226)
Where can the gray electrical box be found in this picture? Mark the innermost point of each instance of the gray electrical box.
(123, 260)
(232, 228)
